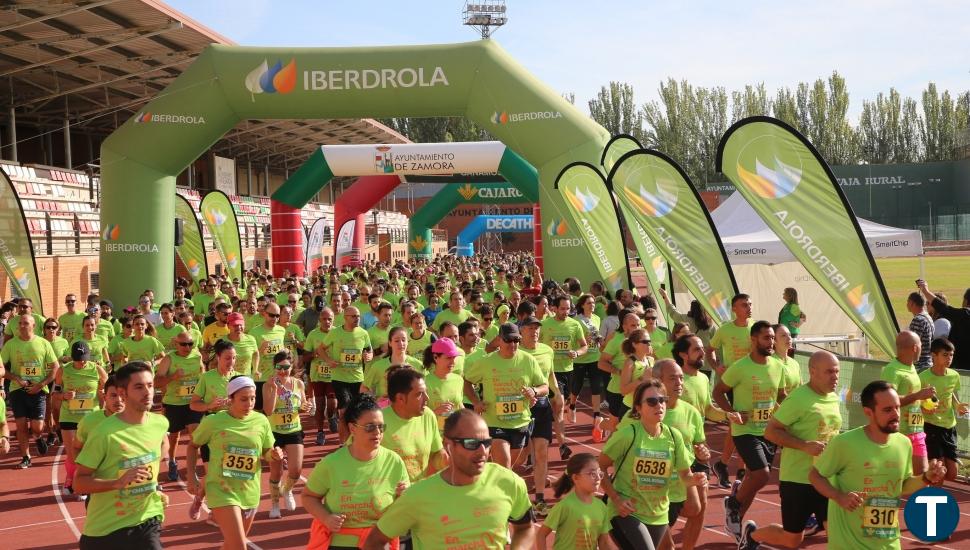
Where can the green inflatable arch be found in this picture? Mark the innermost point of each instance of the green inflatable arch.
(454, 194)
(228, 84)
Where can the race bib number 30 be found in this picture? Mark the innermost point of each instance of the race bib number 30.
(240, 462)
(880, 518)
(509, 406)
(652, 468)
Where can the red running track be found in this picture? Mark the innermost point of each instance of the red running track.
(33, 515)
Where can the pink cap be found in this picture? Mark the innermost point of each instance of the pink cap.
(446, 346)
(235, 319)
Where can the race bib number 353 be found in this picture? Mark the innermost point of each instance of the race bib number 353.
(240, 462)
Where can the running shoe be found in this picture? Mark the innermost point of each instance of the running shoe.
(597, 431)
(41, 446)
(51, 439)
(289, 500)
(321, 438)
(274, 510)
(333, 424)
(195, 510)
(541, 508)
(747, 541)
(24, 463)
(812, 526)
(721, 471)
(313, 409)
(173, 470)
(732, 517)
(565, 452)
(735, 485)
(572, 413)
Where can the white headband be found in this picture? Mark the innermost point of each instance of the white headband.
(239, 383)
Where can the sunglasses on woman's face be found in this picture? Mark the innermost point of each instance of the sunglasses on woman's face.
(654, 401)
(471, 443)
(50, 327)
(283, 366)
(187, 343)
(369, 428)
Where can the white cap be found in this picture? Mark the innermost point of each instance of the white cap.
(239, 383)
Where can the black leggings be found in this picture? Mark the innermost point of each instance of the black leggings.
(629, 533)
(597, 379)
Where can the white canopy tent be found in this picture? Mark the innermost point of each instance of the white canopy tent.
(764, 267)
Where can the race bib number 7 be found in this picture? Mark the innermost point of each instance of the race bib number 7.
(82, 403)
(880, 518)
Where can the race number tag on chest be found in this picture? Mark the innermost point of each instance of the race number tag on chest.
(507, 406)
(351, 357)
(187, 387)
(147, 483)
(560, 344)
(32, 372)
(880, 518)
(240, 462)
(914, 417)
(82, 403)
(324, 370)
(761, 413)
(651, 467)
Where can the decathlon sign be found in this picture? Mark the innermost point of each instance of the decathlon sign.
(512, 223)
(414, 158)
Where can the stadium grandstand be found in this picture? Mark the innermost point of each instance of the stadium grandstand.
(75, 71)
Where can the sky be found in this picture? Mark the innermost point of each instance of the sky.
(577, 47)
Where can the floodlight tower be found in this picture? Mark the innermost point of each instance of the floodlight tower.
(485, 15)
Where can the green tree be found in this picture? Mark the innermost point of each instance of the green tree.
(437, 129)
(615, 109)
(939, 125)
(751, 101)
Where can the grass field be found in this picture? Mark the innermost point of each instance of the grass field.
(947, 274)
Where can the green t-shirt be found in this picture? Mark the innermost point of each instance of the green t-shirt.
(416, 346)
(578, 525)
(105, 329)
(167, 335)
(592, 354)
(428, 509)
(853, 462)
(448, 315)
(252, 321)
(789, 315)
(28, 359)
(179, 392)
(89, 423)
(71, 325)
(544, 356)
(614, 349)
(686, 420)
(62, 349)
(643, 465)
(114, 348)
(375, 375)
(361, 490)
(84, 382)
(755, 392)
(320, 371)
(502, 381)
(11, 329)
(347, 349)
(97, 345)
(732, 342)
(378, 336)
(146, 349)
(697, 392)
(638, 368)
(286, 414)
(212, 385)
(202, 302)
(449, 389)
(414, 440)
(562, 336)
(809, 417)
(235, 447)
(946, 386)
(663, 351)
(793, 373)
(112, 449)
(907, 381)
(269, 341)
(294, 338)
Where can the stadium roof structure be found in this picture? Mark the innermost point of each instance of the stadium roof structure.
(95, 63)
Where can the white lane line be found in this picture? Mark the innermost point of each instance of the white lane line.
(57, 495)
(28, 525)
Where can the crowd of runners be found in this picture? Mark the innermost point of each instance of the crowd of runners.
(444, 384)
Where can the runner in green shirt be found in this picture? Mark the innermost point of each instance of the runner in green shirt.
(455, 312)
(758, 383)
(511, 383)
(166, 331)
(320, 373)
(293, 340)
(863, 473)
(566, 337)
(119, 467)
(901, 373)
(638, 366)
(114, 345)
(97, 343)
(445, 388)
(351, 488)
(803, 425)
(688, 352)
(82, 382)
(269, 341)
(542, 411)
(580, 520)
(612, 360)
(940, 412)
(495, 507)
(380, 331)
(412, 429)
(237, 438)
(375, 375)
(283, 400)
(349, 348)
(25, 307)
(644, 456)
(783, 343)
(179, 373)
(247, 350)
(141, 346)
(70, 320)
(113, 404)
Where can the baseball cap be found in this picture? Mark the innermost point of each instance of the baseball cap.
(107, 303)
(235, 319)
(239, 383)
(446, 346)
(80, 351)
(530, 320)
(508, 331)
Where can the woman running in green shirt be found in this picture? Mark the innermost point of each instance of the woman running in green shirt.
(82, 389)
(237, 439)
(284, 398)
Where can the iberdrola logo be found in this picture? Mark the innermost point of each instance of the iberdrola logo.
(720, 305)
(584, 202)
(194, 268)
(272, 80)
(468, 191)
(232, 260)
(20, 275)
(615, 281)
(500, 117)
(861, 303)
(770, 182)
(418, 243)
(659, 268)
(215, 216)
(111, 232)
(143, 117)
(655, 203)
(557, 228)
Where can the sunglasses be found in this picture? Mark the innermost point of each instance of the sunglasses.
(70, 301)
(650, 318)
(283, 366)
(274, 315)
(471, 443)
(50, 327)
(189, 343)
(369, 428)
(654, 401)
(643, 342)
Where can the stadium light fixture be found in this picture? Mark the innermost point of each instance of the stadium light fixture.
(485, 15)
